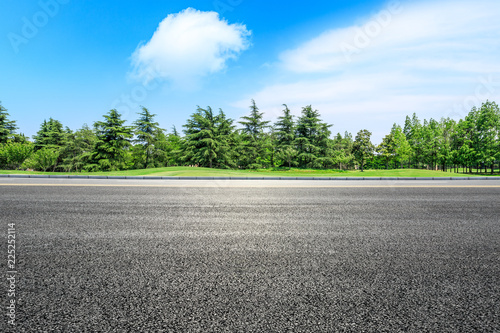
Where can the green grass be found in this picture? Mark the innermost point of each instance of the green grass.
(206, 172)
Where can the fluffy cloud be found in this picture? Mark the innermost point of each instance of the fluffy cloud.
(435, 58)
(438, 34)
(188, 45)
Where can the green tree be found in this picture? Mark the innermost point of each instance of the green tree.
(464, 142)
(488, 122)
(7, 127)
(50, 135)
(226, 139)
(342, 150)
(431, 143)
(283, 135)
(386, 149)
(284, 129)
(253, 138)
(78, 151)
(288, 154)
(13, 154)
(414, 135)
(402, 148)
(208, 139)
(43, 159)
(445, 157)
(363, 147)
(173, 148)
(113, 142)
(311, 137)
(146, 131)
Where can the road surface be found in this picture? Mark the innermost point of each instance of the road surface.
(253, 256)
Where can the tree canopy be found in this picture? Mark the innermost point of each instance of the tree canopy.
(211, 139)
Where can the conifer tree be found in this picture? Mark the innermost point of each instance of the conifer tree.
(311, 137)
(51, 135)
(113, 141)
(284, 129)
(146, 131)
(363, 147)
(253, 138)
(208, 140)
(7, 127)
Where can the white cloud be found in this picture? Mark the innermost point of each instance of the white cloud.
(443, 30)
(189, 45)
(425, 57)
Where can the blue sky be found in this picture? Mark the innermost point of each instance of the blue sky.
(362, 64)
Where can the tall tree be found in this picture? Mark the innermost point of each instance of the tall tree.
(448, 127)
(50, 135)
(402, 148)
(431, 137)
(226, 138)
(208, 139)
(7, 127)
(414, 136)
(363, 147)
(386, 149)
(311, 136)
(253, 138)
(77, 153)
(488, 122)
(284, 129)
(146, 130)
(113, 140)
(342, 150)
(173, 148)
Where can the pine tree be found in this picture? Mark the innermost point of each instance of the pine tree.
(7, 127)
(225, 136)
(146, 131)
(253, 138)
(284, 129)
(311, 137)
(342, 150)
(431, 135)
(51, 135)
(386, 149)
(402, 149)
(362, 147)
(488, 122)
(113, 141)
(208, 140)
(77, 153)
(447, 128)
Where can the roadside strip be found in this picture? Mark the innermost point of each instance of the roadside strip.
(244, 178)
(256, 186)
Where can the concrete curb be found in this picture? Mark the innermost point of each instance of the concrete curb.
(243, 178)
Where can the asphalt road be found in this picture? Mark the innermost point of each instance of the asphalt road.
(253, 256)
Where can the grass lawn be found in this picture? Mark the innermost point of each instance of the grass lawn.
(206, 172)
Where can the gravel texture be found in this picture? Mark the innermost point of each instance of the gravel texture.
(110, 259)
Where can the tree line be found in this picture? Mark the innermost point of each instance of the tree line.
(211, 139)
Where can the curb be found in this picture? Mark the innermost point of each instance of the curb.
(243, 178)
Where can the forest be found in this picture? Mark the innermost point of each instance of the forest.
(210, 139)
